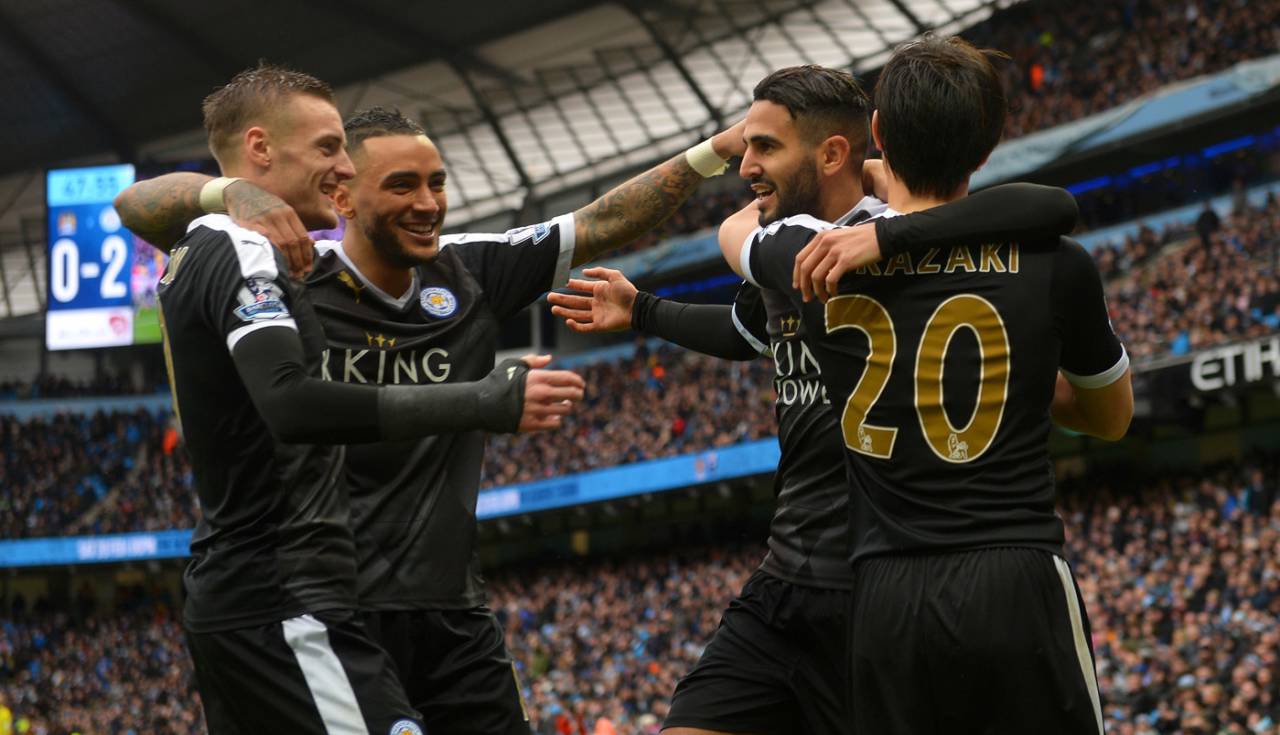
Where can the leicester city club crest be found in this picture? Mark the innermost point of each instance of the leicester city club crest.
(405, 727)
(439, 302)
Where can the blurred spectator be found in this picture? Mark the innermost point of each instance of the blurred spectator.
(54, 386)
(52, 471)
(1180, 573)
(659, 403)
(114, 674)
(1197, 293)
(1070, 60)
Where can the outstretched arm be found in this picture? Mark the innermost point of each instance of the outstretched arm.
(613, 304)
(158, 210)
(301, 408)
(644, 202)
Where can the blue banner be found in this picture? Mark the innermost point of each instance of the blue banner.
(673, 473)
(95, 549)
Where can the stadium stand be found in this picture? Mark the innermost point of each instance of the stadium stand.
(1071, 60)
(57, 386)
(53, 471)
(654, 404)
(1178, 567)
(124, 671)
(1179, 571)
(1196, 284)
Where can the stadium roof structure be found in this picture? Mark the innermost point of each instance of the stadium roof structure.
(526, 100)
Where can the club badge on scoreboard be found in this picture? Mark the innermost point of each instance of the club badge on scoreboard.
(438, 302)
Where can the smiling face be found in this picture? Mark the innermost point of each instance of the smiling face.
(305, 148)
(779, 165)
(397, 198)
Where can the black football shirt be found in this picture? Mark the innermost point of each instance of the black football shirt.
(273, 540)
(809, 533)
(941, 366)
(413, 502)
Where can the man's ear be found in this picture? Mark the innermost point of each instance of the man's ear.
(875, 130)
(257, 147)
(834, 154)
(342, 201)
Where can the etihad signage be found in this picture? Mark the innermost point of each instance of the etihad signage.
(1236, 364)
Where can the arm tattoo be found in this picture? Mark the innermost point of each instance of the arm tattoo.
(247, 202)
(158, 210)
(632, 209)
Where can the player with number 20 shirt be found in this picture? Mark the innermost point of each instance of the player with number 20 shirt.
(943, 368)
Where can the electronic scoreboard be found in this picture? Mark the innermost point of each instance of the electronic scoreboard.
(102, 279)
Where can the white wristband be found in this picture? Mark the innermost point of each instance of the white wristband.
(704, 159)
(211, 194)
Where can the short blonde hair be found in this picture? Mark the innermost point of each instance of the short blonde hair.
(248, 97)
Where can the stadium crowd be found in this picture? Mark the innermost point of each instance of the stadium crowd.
(55, 470)
(658, 403)
(114, 673)
(1070, 60)
(1215, 281)
(1180, 573)
(57, 386)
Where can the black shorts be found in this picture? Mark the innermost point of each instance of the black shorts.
(318, 673)
(776, 665)
(987, 641)
(455, 669)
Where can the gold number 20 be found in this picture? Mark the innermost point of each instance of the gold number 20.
(949, 442)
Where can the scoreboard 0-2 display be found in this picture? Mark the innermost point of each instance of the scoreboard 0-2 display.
(101, 278)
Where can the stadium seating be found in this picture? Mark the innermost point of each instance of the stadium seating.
(1179, 573)
(81, 671)
(1070, 60)
(1170, 292)
(1197, 284)
(54, 470)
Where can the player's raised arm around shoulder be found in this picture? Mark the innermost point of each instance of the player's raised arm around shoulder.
(999, 214)
(734, 233)
(1094, 391)
(635, 207)
(766, 256)
(158, 210)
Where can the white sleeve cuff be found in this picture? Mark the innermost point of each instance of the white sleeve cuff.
(759, 346)
(568, 242)
(744, 257)
(239, 333)
(1102, 379)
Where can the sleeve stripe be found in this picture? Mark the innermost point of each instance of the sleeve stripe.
(744, 257)
(239, 332)
(1102, 379)
(568, 242)
(759, 346)
(253, 251)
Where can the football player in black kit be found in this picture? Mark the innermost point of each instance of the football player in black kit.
(270, 611)
(401, 304)
(777, 663)
(944, 366)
